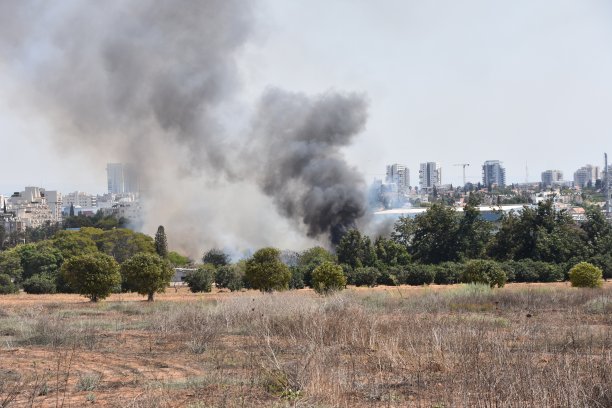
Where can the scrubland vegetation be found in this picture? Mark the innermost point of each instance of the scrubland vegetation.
(547, 345)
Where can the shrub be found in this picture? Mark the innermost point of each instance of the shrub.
(93, 276)
(230, 277)
(388, 276)
(328, 277)
(418, 274)
(201, 279)
(297, 278)
(448, 273)
(146, 274)
(367, 276)
(604, 262)
(483, 271)
(266, 272)
(586, 275)
(39, 284)
(6, 285)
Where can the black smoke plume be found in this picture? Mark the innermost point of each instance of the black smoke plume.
(296, 142)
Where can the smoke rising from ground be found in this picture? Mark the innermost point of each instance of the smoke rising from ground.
(298, 139)
(146, 82)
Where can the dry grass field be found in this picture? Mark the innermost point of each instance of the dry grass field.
(526, 345)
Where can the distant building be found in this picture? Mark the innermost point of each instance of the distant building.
(586, 175)
(32, 208)
(552, 177)
(399, 175)
(80, 199)
(122, 178)
(493, 174)
(430, 176)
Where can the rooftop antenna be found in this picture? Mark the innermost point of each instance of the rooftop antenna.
(464, 165)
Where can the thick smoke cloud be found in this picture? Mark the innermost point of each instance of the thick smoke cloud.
(147, 82)
(297, 140)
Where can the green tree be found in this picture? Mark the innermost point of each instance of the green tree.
(6, 285)
(328, 277)
(94, 276)
(356, 250)
(146, 274)
(473, 232)
(231, 276)
(266, 272)
(435, 236)
(122, 244)
(178, 260)
(74, 243)
(161, 242)
(391, 253)
(10, 264)
(38, 258)
(201, 279)
(310, 259)
(216, 257)
(586, 275)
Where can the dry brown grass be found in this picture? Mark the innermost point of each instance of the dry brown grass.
(545, 345)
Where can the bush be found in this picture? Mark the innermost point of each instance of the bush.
(586, 275)
(297, 278)
(328, 277)
(388, 276)
(483, 271)
(418, 274)
(604, 262)
(39, 284)
(527, 270)
(448, 273)
(201, 279)
(230, 277)
(6, 285)
(367, 276)
(94, 276)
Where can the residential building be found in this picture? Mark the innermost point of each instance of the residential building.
(586, 175)
(33, 207)
(430, 176)
(122, 178)
(399, 175)
(493, 174)
(80, 199)
(552, 177)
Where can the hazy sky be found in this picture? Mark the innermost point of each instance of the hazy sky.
(448, 81)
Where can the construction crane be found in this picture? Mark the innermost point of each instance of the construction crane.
(464, 165)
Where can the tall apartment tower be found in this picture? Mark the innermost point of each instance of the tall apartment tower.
(586, 174)
(399, 175)
(430, 175)
(493, 173)
(551, 177)
(122, 178)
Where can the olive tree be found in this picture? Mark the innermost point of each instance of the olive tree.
(328, 277)
(94, 276)
(265, 271)
(146, 274)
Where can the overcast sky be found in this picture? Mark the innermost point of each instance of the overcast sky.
(524, 82)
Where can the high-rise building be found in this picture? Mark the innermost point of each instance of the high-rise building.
(552, 177)
(430, 175)
(400, 175)
(493, 174)
(586, 174)
(122, 178)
